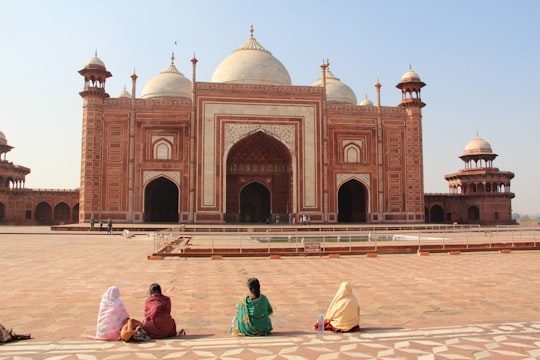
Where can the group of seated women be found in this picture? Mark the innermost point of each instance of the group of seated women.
(252, 317)
(114, 322)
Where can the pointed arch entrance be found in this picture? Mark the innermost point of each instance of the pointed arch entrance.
(473, 214)
(352, 202)
(44, 213)
(259, 179)
(436, 214)
(254, 203)
(161, 201)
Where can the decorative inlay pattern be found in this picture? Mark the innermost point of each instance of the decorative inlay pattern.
(235, 132)
(363, 178)
(174, 176)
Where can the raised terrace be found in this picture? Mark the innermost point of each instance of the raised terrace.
(327, 240)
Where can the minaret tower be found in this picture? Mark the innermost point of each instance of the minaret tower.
(95, 74)
(410, 86)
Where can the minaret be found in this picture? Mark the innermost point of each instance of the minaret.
(410, 86)
(95, 74)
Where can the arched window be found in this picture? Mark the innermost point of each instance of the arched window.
(352, 151)
(162, 150)
(352, 154)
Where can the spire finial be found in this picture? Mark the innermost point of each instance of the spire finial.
(172, 58)
(410, 67)
(95, 53)
(251, 30)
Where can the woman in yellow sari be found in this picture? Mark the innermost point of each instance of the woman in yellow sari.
(343, 314)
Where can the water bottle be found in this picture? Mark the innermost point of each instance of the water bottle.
(320, 325)
(234, 329)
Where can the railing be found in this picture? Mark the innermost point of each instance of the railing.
(235, 242)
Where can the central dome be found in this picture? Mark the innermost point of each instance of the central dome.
(251, 64)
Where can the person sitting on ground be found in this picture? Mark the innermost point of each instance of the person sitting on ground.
(111, 316)
(343, 314)
(252, 318)
(158, 321)
(7, 335)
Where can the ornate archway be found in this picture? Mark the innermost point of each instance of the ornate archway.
(263, 160)
(352, 202)
(161, 201)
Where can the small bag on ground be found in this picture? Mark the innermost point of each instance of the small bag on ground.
(132, 330)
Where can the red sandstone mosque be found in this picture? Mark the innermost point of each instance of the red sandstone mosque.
(249, 146)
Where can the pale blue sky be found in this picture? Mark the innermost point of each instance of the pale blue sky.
(479, 59)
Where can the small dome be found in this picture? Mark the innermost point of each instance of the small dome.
(410, 76)
(94, 63)
(336, 91)
(478, 146)
(169, 83)
(366, 102)
(3, 139)
(124, 93)
(251, 64)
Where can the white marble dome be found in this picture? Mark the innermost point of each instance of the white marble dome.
(3, 139)
(366, 102)
(410, 76)
(124, 93)
(336, 90)
(169, 83)
(94, 63)
(251, 64)
(477, 146)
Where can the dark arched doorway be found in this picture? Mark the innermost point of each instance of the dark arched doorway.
(436, 214)
(161, 201)
(75, 214)
(352, 202)
(254, 203)
(44, 213)
(61, 213)
(473, 214)
(259, 169)
(2, 212)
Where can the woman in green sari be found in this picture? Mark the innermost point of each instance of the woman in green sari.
(252, 318)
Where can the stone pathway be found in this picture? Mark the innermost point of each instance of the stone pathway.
(469, 306)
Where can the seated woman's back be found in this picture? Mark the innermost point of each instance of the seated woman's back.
(343, 314)
(158, 321)
(254, 310)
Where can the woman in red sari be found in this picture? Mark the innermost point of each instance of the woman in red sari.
(158, 322)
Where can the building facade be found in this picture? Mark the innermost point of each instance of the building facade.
(478, 193)
(22, 206)
(248, 146)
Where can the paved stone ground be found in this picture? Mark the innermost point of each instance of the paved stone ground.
(468, 306)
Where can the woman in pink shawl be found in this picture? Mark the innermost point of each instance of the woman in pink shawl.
(111, 316)
(158, 322)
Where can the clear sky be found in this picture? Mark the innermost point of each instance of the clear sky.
(480, 60)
